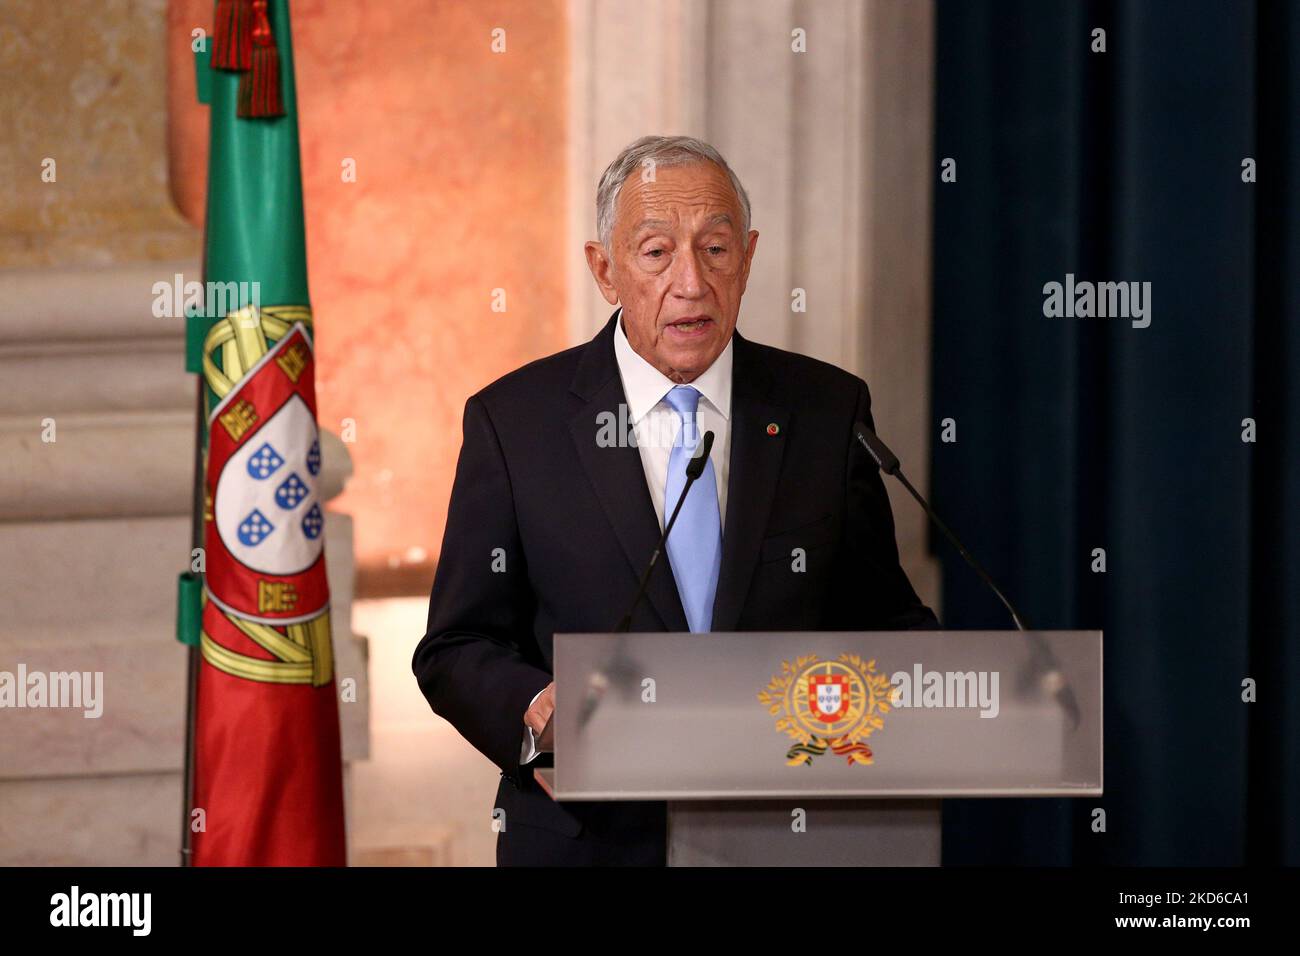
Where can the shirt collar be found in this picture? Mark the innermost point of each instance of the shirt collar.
(645, 386)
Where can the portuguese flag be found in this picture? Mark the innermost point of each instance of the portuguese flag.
(264, 766)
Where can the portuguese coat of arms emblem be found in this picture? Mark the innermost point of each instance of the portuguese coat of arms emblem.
(828, 706)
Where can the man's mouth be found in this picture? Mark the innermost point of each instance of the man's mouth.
(690, 325)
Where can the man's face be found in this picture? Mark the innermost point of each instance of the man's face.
(678, 263)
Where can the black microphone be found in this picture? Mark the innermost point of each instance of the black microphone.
(694, 468)
(888, 463)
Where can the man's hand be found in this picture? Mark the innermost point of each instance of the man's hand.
(538, 718)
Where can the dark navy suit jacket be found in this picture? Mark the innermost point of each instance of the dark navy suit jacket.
(575, 526)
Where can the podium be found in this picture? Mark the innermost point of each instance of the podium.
(830, 748)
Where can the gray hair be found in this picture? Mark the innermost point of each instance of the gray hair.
(656, 151)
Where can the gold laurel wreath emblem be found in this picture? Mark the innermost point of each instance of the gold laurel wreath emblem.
(243, 337)
(303, 653)
(787, 698)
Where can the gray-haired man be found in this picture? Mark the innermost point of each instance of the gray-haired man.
(578, 517)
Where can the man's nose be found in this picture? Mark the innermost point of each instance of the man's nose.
(688, 275)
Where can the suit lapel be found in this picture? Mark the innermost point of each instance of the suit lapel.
(755, 467)
(617, 476)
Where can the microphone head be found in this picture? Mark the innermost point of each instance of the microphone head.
(695, 467)
(877, 449)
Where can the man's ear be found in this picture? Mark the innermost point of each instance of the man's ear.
(749, 252)
(599, 263)
(749, 258)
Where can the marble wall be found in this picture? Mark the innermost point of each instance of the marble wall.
(83, 86)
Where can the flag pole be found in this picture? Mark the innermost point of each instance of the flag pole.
(189, 626)
(192, 649)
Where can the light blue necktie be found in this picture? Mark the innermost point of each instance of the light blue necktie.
(695, 545)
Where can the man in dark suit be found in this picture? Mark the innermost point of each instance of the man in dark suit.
(556, 509)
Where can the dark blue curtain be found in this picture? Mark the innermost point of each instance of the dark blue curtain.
(1082, 433)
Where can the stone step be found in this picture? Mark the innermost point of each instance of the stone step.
(97, 821)
(133, 675)
(119, 465)
(104, 376)
(91, 821)
(101, 596)
(88, 303)
(60, 574)
(64, 573)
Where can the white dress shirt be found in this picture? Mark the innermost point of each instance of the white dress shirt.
(656, 426)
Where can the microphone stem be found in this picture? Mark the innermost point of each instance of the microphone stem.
(625, 625)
